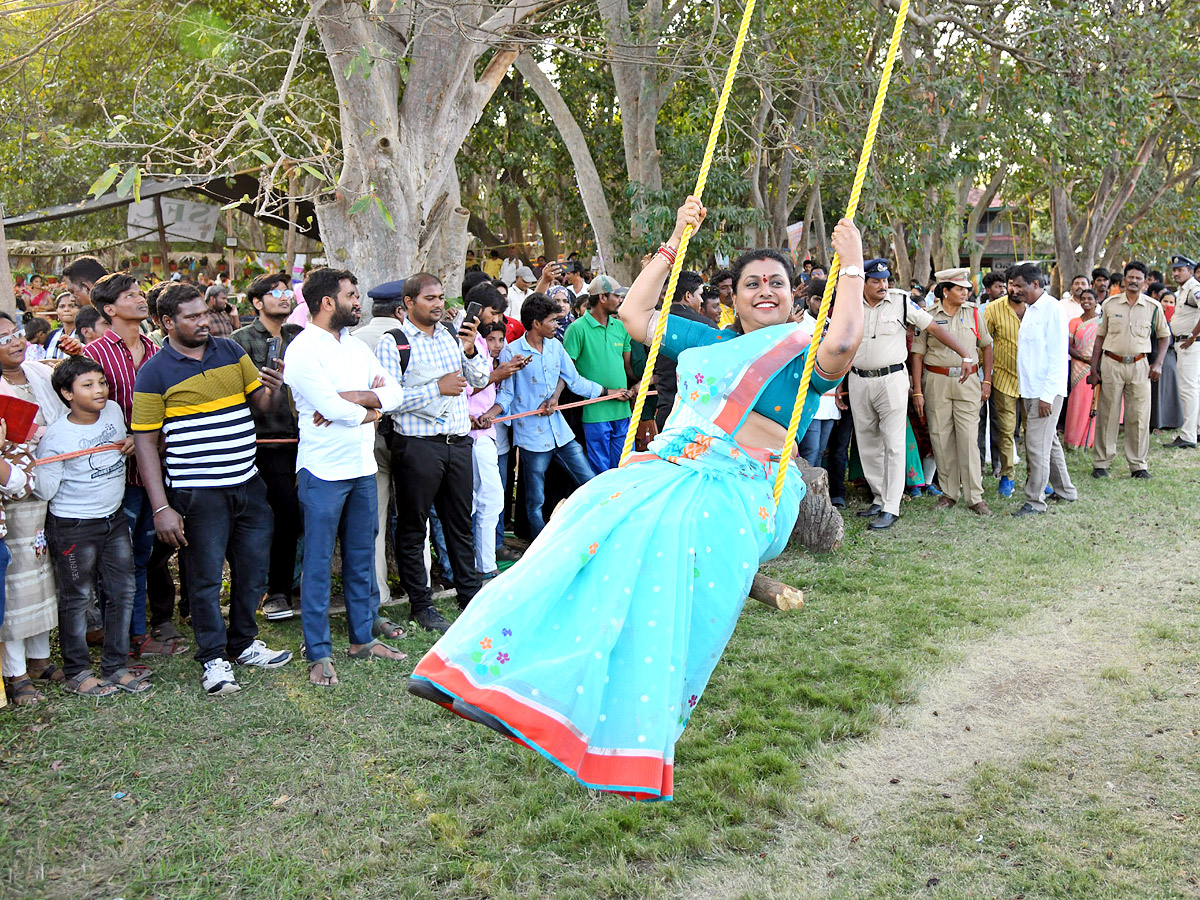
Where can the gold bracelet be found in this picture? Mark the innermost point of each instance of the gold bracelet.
(918, 395)
(985, 381)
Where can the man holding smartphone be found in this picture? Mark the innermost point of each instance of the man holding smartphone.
(431, 451)
(265, 341)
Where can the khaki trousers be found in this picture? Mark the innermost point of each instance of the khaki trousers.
(1006, 420)
(880, 408)
(952, 411)
(1130, 382)
(1187, 374)
(1044, 457)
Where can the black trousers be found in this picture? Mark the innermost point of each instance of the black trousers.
(838, 450)
(277, 469)
(988, 415)
(160, 586)
(433, 473)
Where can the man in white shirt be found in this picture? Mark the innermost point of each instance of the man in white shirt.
(339, 390)
(1185, 326)
(1042, 377)
(522, 287)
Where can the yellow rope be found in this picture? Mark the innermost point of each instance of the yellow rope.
(831, 285)
(677, 267)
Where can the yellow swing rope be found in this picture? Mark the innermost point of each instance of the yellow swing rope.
(677, 267)
(831, 285)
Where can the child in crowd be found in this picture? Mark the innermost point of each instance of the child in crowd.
(87, 530)
(37, 332)
(90, 324)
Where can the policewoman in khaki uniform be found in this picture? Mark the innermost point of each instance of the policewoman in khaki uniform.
(878, 388)
(1120, 365)
(1185, 326)
(953, 392)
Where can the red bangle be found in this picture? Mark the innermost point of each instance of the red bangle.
(667, 253)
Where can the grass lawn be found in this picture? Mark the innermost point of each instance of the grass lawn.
(287, 791)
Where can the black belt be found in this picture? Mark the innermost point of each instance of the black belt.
(440, 438)
(1182, 337)
(877, 373)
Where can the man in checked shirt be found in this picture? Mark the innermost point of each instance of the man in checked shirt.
(431, 451)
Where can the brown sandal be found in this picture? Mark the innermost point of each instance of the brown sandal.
(46, 673)
(148, 646)
(21, 691)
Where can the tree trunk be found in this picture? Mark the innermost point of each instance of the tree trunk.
(587, 177)
(819, 527)
(8, 297)
(400, 150)
(902, 271)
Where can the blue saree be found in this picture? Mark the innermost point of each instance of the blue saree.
(596, 647)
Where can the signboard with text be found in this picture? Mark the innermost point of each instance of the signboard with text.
(185, 220)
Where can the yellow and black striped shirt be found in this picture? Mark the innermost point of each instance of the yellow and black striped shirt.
(1003, 324)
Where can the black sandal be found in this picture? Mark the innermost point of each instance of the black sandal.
(137, 683)
(22, 692)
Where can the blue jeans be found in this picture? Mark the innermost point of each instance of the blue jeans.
(570, 456)
(815, 440)
(141, 530)
(5, 559)
(439, 543)
(220, 523)
(83, 549)
(347, 509)
(605, 441)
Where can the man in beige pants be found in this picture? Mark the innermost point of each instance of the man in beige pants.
(1122, 369)
(1185, 326)
(878, 388)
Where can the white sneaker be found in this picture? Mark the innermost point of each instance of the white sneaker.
(218, 678)
(259, 654)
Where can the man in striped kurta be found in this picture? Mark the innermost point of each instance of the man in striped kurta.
(195, 392)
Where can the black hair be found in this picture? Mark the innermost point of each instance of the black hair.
(108, 289)
(87, 318)
(816, 287)
(65, 373)
(760, 255)
(324, 282)
(1154, 289)
(7, 317)
(1155, 275)
(264, 284)
(689, 283)
(536, 308)
(721, 275)
(386, 308)
(1134, 264)
(710, 293)
(485, 294)
(495, 254)
(174, 296)
(36, 326)
(993, 277)
(86, 268)
(1029, 272)
(414, 284)
(152, 296)
(1100, 272)
(492, 328)
(1089, 291)
(1078, 276)
(473, 278)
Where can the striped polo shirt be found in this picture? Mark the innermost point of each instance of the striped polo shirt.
(200, 406)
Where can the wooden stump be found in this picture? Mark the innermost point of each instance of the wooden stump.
(819, 527)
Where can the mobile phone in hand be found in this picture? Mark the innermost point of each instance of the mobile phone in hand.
(473, 310)
(273, 345)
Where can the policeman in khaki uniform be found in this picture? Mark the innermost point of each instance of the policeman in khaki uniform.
(878, 386)
(1185, 326)
(953, 392)
(1121, 367)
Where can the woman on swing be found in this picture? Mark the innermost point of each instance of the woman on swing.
(596, 647)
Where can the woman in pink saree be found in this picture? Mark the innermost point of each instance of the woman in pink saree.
(1081, 336)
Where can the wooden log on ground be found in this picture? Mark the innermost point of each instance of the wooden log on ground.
(782, 597)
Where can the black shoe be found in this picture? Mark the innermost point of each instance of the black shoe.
(1140, 473)
(839, 502)
(1059, 498)
(475, 714)
(504, 554)
(1027, 510)
(1099, 473)
(431, 620)
(1180, 444)
(882, 521)
(870, 512)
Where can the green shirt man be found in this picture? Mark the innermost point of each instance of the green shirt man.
(601, 348)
